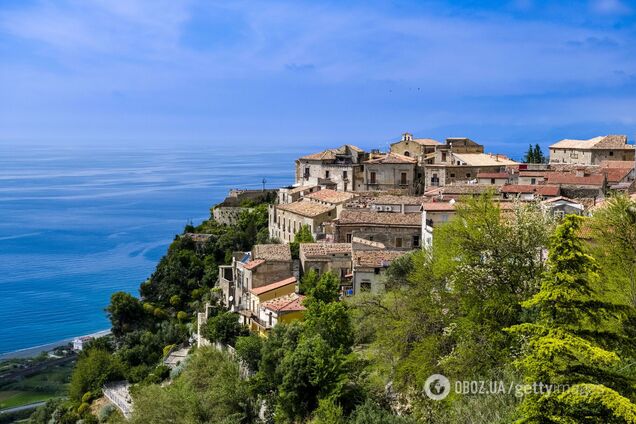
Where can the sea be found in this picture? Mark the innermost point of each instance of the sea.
(80, 222)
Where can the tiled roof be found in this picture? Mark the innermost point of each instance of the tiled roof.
(306, 208)
(600, 142)
(572, 179)
(616, 175)
(330, 196)
(282, 283)
(330, 154)
(542, 190)
(363, 217)
(290, 303)
(483, 159)
(460, 189)
(617, 164)
(499, 175)
(301, 189)
(533, 173)
(438, 206)
(253, 263)
(272, 252)
(426, 142)
(395, 200)
(375, 258)
(324, 249)
(392, 158)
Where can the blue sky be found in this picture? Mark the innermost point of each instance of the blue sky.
(296, 72)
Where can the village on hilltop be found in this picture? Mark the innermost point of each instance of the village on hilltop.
(365, 209)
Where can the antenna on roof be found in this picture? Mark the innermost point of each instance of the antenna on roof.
(264, 181)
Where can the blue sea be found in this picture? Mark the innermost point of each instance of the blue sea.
(78, 223)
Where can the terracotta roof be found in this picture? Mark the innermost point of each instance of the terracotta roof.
(616, 175)
(560, 198)
(392, 158)
(600, 142)
(438, 206)
(427, 142)
(324, 249)
(395, 200)
(282, 283)
(533, 173)
(330, 196)
(572, 179)
(483, 159)
(542, 190)
(499, 175)
(290, 303)
(364, 217)
(460, 189)
(330, 154)
(272, 252)
(305, 208)
(375, 258)
(253, 264)
(617, 164)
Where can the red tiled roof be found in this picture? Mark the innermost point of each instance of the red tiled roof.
(290, 303)
(324, 249)
(542, 190)
(572, 179)
(533, 173)
(392, 158)
(375, 258)
(330, 196)
(616, 175)
(364, 217)
(282, 283)
(253, 263)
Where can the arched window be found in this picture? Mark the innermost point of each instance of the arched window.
(407, 153)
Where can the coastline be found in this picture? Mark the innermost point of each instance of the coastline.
(30, 352)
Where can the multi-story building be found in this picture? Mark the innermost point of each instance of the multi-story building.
(592, 151)
(453, 168)
(419, 148)
(389, 172)
(285, 220)
(332, 168)
(369, 268)
(326, 257)
(399, 231)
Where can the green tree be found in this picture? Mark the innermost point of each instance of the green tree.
(529, 157)
(224, 328)
(92, 371)
(248, 349)
(538, 154)
(569, 341)
(125, 312)
(308, 281)
(303, 235)
(326, 290)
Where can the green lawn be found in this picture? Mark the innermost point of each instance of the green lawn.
(12, 398)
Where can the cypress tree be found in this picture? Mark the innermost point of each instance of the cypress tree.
(530, 155)
(571, 371)
(538, 154)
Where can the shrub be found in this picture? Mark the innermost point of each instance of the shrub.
(88, 396)
(182, 316)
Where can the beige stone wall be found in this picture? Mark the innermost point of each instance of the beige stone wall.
(335, 173)
(283, 225)
(386, 235)
(227, 215)
(389, 176)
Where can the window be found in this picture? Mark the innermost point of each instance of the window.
(372, 177)
(533, 180)
(398, 242)
(269, 318)
(452, 175)
(365, 285)
(467, 175)
(407, 153)
(559, 214)
(326, 174)
(492, 181)
(434, 180)
(444, 157)
(403, 178)
(416, 241)
(376, 271)
(611, 153)
(344, 175)
(306, 172)
(349, 238)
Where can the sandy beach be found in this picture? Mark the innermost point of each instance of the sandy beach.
(36, 350)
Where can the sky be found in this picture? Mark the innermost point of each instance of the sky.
(257, 73)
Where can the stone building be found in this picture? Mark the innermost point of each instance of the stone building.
(437, 213)
(418, 148)
(398, 204)
(330, 198)
(395, 230)
(494, 178)
(461, 168)
(293, 194)
(338, 169)
(390, 171)
(265, 264)
(285, 220)
(369, 268)
(592, 151)
(326, 257)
